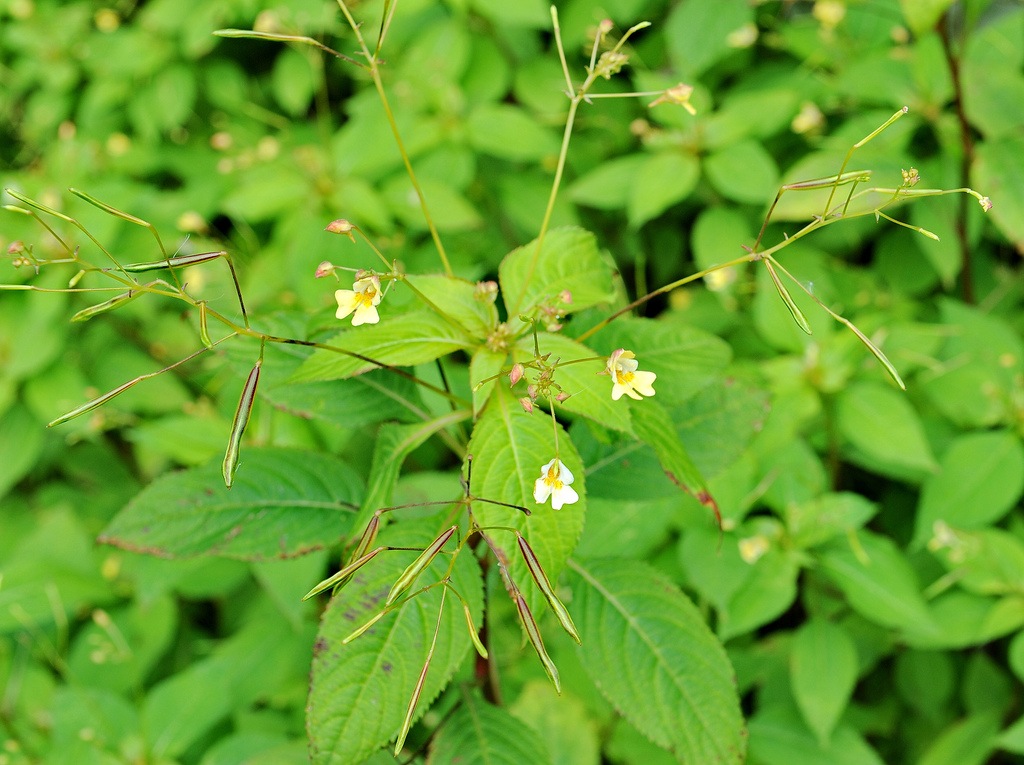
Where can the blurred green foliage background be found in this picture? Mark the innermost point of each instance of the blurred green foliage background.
(108, 656)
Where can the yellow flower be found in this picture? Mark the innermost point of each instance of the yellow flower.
(626, 378)
(554, 482)
(361, 301)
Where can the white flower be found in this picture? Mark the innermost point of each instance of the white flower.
(361, 301)
(554, 482)
(626, 378)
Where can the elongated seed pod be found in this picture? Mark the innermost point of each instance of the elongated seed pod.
(418, 690)
(473, 634)
(360, 630)
(537, 572)
(797, 314)
(405, 581)
(238, 425)
(344, 574)
(109, 305)
(533, 633)
(179, 261)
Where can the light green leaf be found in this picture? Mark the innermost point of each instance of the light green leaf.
(394, 443)
(881, 424)
(999, 175)
(764, 595)
(20, 445)
(459, 299)
(449, 209)
(590, 393)
(743, 172)
(401, 341)
(980, 479)
(661, 181)
(967, 742)
(655, 428)
(292, 81)
(283, 502)
(568, 260)
(609, 185)
(988, 561)
(485, 364)
(823, 673)
(922, 15)
(877, 580)
(481, 734)
(820, 519)
(508, 132)
(697, 34)
(686, 359)
(509, 448)
(965, 619)
(779, 737)
(563, 722)
(359, 692)
(672, 679)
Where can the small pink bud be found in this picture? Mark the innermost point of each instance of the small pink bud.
(986, 203)
(561, 397)
(341, 226)
(606, 26)
(486, 291)
(526, 404)
(16, 247)
(516, 374)
(566, 297)
(531, 391)
(324, 269)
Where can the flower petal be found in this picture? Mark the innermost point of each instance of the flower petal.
(564, 496)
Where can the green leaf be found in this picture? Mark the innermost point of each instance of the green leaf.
(590, 394)
(823, 673)
(660, 181)
(459, 299)
(609, 185)
(697, 34)
(882, 425)
(779, 737)
(509, 448)
(485, 364)
(672, 679)
(686, 359)
(960, 619)
(481, 734)
(449, 209)
(568, 260)
(980, 479)
(563, 722)
(400, 341)
(997, 173)
(827, 516)
(922, 15)
(359, 692)
(764, 595)
(20, 446)
(987, 562)
(743, 172)
(508, 132)
(394, 443)
(655, 428)
(877, 580)
(967, 742)
(283, 503)
(292, 81)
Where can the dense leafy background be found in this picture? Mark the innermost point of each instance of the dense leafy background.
(869, 583)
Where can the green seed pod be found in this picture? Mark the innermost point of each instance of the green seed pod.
(409, 576)
(533, 633)
(342, 576)
(473, 634)
(179, 261)
(537, 572)
(108, 305)
(204, 332)
(238, 425)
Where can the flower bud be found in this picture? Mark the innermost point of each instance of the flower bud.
(16, 247)
(516, 374)
(486, 292)
(986, 203)
(565, 296)
(341, 226)
(531, 391)
(561, 397)
(526, 404)
(324, 269)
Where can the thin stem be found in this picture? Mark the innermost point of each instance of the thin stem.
(378, 83)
